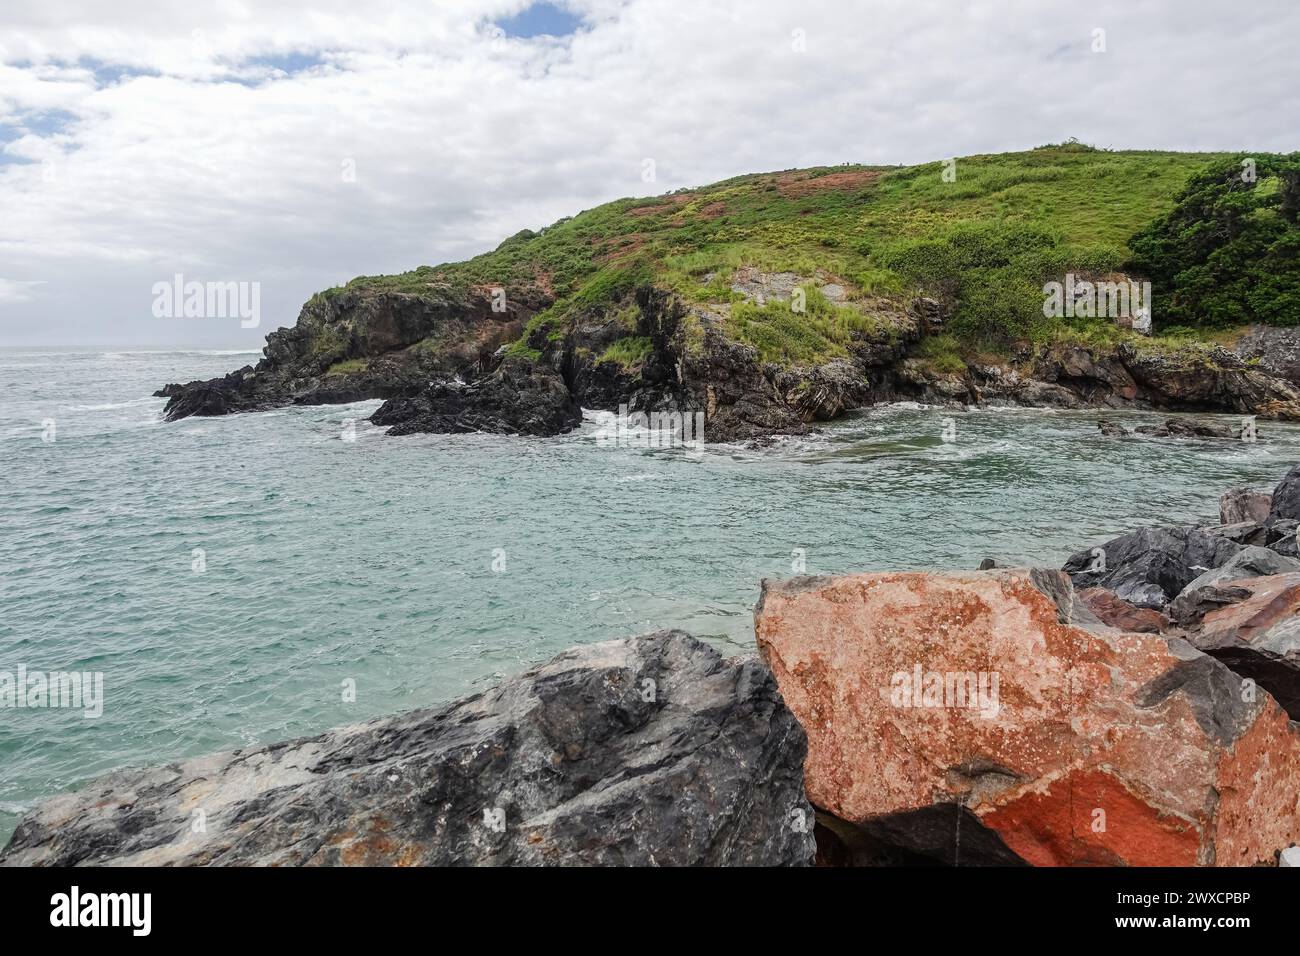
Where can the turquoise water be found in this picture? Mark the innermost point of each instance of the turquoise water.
(372, 560)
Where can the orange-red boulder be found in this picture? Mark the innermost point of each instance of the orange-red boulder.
(989, 716)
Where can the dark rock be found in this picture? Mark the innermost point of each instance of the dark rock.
(1245, 504)
(1113, 429)
(1212, 590)
(519, 398)
(1180, 428)
(361, 343)
(1286, 498)
(643, 751)
(1150, 567)
(1243, 532)
(1209, 378)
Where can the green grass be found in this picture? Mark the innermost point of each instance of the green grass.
(350, 365)
(821, 332)
(629, 351)
(985, 243)
(942, 353)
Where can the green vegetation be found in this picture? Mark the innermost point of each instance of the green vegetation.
(818, 333)
(983, 241)
(1229, 251)
(350, 365)
(942, 353)
(629, 351)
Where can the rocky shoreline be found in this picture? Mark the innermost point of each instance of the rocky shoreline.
(1138, 707)
(474, 360)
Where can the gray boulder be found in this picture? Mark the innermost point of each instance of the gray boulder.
(1286, 498)
(1245, 504)
(1256, 632)
(1213, 589)
(1243, 532)
(1151, 566)
(643, 751)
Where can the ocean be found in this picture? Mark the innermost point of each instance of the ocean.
(233, 578)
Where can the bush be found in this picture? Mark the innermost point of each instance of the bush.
(1229, 250)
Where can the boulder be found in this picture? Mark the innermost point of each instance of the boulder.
(1213, 588)
(1243, 532)
(1118, 613)
(1286, 498)
(519, 398)
(992, 712)
(1151, 566)
(643, 751)
(1245, 504)
(1185, 428)
(1256, 631)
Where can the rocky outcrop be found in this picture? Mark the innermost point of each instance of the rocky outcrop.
(645, 751)
(990, 717)
(519, 398)
(358, 344)
(1175, 428)
(1150, 567)
(1273, 350)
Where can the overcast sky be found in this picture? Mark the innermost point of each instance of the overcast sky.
(299, 144)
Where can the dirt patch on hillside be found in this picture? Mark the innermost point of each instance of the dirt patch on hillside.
(794, 185)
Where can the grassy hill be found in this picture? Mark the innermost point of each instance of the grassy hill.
(982, 239)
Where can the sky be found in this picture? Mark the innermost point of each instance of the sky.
(288, 147)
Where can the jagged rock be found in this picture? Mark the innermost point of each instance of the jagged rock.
(1205, 378)
(1115, 612)
(1245, 504)
(1256, 632)
(1276, 350)
(1243, 532)
(1096, 747)
(520, 398)
(643, 751)
(1113, 429)
(1289, 857)
(1151, 566)
(1184, 428)
(740, 399)
(1213, 588)
(361, 343)
(1285, 505)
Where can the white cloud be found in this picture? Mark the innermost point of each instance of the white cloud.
(12, 290)
(139, 147)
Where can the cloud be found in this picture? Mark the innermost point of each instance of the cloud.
(12, 290)
(219, 140)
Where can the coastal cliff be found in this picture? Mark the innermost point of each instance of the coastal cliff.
(772, 302)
